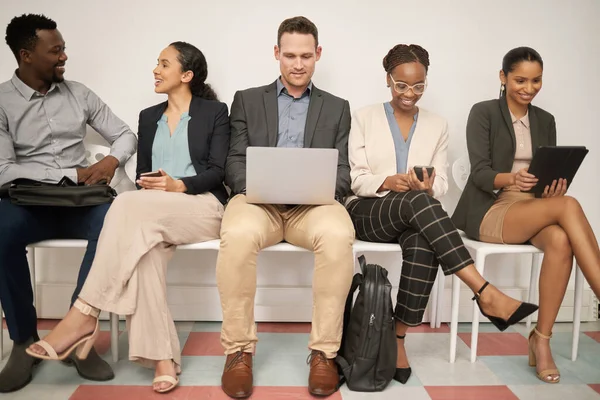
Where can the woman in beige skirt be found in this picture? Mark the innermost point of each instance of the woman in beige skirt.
(182, 149)
(502, 136)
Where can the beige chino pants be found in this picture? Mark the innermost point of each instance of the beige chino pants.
(246, 229)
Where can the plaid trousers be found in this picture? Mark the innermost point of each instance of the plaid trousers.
(427, 236)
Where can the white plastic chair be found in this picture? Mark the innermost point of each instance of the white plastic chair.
(95, 153)
(460, 174)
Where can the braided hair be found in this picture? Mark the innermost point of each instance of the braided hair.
(402, 54)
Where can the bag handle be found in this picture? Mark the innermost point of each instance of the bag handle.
(362, 261)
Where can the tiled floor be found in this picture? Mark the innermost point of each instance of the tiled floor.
(500, 372)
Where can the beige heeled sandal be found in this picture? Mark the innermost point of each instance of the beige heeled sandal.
(82, 346)
(167, 379)
(545, 375)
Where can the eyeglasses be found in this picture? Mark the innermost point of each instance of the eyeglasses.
(402, 87)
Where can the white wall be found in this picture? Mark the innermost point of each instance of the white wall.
(113, 46)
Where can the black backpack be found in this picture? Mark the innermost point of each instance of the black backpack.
(367, 355)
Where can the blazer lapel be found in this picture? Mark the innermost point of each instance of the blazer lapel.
(193, 123)
(272, 114)
(534, 129)
(508, 120)
(314, 109)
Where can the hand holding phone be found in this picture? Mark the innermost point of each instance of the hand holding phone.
(419, 171)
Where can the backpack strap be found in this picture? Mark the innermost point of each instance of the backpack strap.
(362, 261)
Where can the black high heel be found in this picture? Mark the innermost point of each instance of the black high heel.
(402, 374)
(524, 310)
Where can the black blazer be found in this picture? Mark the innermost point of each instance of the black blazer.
(254, 118)
(208, 139)
(491, 144)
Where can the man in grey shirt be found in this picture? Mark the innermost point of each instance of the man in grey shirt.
(43, 121)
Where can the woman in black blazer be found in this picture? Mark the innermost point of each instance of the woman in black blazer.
(183, 145)
(502, 137)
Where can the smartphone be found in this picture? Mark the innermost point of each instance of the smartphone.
(419, 171)
(153, 174)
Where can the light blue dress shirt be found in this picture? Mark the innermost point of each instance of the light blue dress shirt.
(172, 152)
(292, 114)
(402, 146)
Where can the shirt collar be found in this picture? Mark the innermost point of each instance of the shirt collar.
(524, 120)
(281, 88)
(27, 91)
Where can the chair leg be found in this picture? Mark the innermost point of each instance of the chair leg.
(533, 281)
(454, 317)
(114, 336)
(480, 265)
(433, 304)
(440, 298)
(577, 311)
(31, 262)
(1, 335)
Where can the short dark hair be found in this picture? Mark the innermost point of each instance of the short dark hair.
(405, 53)
(192, 59)
(517, 55)
(21, 32)
(298, 25)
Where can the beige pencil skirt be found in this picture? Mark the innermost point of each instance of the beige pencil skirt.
(490, 230)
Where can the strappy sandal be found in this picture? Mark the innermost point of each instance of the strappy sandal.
(167, 379)
(82, 346)
(545, 375)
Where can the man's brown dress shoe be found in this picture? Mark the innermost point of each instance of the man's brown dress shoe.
(236, 381)
(323, 379)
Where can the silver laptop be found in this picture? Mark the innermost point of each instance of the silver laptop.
(281, 175)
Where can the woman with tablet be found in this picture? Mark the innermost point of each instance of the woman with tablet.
(502, 136)
(182, 147)
(391, 147)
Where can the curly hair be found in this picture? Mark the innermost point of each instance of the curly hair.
(403, 53)
(21, 32)
(192, 59)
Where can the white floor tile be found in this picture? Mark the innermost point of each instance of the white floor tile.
(555, 391)
(391, 392)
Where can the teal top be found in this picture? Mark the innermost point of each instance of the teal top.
(172, 152)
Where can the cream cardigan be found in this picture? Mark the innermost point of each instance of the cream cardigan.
(372, 154)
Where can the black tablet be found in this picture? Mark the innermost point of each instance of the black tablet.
(553, 162)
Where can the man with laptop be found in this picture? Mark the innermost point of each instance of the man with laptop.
(297, 123)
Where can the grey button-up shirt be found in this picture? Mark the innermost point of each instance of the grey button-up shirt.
(41, 136)
(292, 116)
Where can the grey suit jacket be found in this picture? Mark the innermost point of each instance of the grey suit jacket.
(491, 144)
(254, 122)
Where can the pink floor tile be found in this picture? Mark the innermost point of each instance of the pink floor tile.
(97, 392)
(498, 344)
(284, 327)
(102, 343)
(109, 392)
(203, 344)
(470, 393)
(596, 387)
(285, 393)
(425, 328)
(594, 335)
(47, 324)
